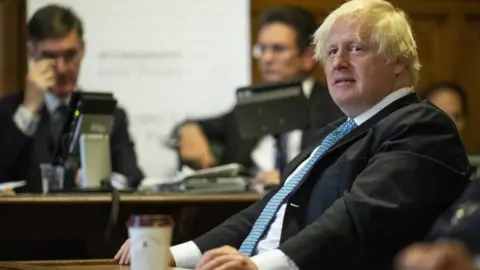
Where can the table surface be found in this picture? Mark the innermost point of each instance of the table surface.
(128, 198)
(67, 265)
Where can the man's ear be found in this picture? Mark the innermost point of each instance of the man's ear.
(399, 66)
(30, 49)
(82, 49)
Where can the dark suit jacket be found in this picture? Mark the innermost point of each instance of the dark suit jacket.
(466, 227)
(20, 154)
(228, 147)
(377, 190)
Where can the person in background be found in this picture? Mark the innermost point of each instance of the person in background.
(373, 182)
(283, 51)
(452, 99)
(31, 120)
(454, 241)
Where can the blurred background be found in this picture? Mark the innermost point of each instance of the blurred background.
(447, 34)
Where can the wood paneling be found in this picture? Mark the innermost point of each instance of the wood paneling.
(469, 75)
(12, 45)
(447, 33)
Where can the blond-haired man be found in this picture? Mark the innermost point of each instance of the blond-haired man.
(373, 183)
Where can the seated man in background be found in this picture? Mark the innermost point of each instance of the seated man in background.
(284, 52)
(459, 233)
(371, 184)
(31, 120)
(452, 99)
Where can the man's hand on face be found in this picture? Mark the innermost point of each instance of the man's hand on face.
(225, 258)
(438, 256)
(39, 79)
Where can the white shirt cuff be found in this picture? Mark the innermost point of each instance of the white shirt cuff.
(186, 255)
(26, 121)
(274, 260)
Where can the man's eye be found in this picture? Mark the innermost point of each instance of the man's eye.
(355, 48)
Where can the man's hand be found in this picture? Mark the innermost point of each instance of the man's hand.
(225, 258)
(194, 146)
(268, 178)
(123, 255)
(438, 256)
(78, 177)
(40, 78)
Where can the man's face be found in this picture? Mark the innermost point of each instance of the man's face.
(67, 52)
(279, 57)
(450, 102)
(358, 76)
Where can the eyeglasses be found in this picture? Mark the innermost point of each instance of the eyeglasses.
(67, 55)
(276, 49)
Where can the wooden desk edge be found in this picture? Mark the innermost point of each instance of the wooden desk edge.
(131, 198)
(51, 263)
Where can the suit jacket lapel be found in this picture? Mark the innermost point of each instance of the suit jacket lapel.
(367, 125)
(291, 166)
(42, 144)
(352, 136)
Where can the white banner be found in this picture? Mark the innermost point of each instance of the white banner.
(165, 60)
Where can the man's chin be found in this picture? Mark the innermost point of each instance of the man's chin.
(273, 78)
(62, 92)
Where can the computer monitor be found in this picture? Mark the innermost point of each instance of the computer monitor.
(85, 140)
(272, 108)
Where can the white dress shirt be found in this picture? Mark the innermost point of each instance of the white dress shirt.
(27, 121)
(264, 154)
(268, 256)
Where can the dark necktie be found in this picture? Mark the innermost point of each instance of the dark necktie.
(57, 122)
(281, 153)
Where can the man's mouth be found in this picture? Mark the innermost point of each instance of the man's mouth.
(343, 80)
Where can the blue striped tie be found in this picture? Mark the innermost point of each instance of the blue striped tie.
(270, 210)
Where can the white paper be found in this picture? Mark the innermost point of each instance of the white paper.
(12, 185)
(164, 61)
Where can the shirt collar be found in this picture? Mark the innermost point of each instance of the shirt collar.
(307, 86)
(52, 102)
(361, 118)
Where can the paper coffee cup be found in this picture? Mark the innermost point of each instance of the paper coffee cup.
(150, 241)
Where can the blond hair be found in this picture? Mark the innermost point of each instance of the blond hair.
(389, 29)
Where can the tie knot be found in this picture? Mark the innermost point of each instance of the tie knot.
(62, 109)
(347, 126)
(61, 112)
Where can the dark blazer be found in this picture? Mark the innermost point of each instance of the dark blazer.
(462, 221)
(20, 154)
(228, 147)
(375, 191)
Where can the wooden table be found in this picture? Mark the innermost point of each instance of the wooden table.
(67, 265)
(129, 198)
(73, 226)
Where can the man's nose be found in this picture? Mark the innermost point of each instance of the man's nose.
(266, 56)
(60, 65)
(340, 60)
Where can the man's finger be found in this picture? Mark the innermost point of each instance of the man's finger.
(214, 253)
(119, 252)
(237, 264)
(412, 257)
(220, 260)
(125, 256)
(45, 65)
